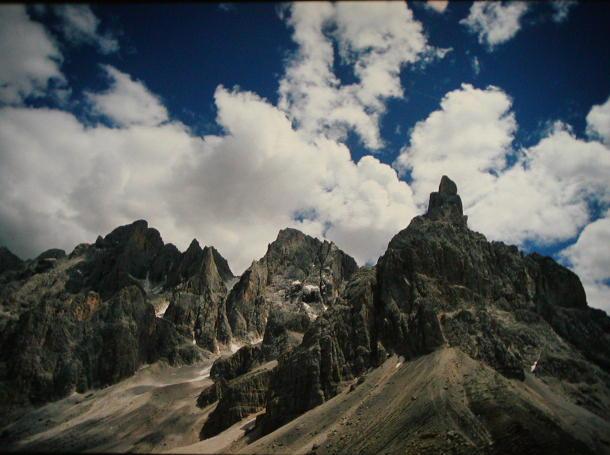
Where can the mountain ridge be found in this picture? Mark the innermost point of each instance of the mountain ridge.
(511, 349)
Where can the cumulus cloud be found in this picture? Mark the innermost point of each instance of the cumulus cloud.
(543, 196)
(561, 9)
(127, 102)
(590, 259)
(495, 22)
(375, 39)
(437, 5)
(234, 191)
(64, 182)
(29, 58)
(469, 136)
(271, 168)
(81, 26)
(598, 122)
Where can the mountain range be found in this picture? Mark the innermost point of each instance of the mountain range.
(449, 344)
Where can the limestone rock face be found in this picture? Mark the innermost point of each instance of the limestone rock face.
(239, 398)
(211, 394)
(87, 320)
(439, 285)
(282, 334)
(245, 359)
(127, 253)
(293, 265)
(339, 345)
(276, 299)
(446, 204)
(59, 346)
(197, 306)
(247, 307)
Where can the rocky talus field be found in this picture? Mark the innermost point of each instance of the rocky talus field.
(450, 344)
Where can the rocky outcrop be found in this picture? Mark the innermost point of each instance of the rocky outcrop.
(245, 359)
(197, 306)
(86, 320)
(446, 204)
(283, 332)
(281, 336)
(293, 258)
(239, 398)
(340, 345)
(440, 284)
(211, 394)
(8, 261)
(61, 346)
(115, 261)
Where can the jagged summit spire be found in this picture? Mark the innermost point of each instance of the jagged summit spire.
(446, 204)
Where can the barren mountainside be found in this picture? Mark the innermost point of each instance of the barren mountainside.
(449, 344)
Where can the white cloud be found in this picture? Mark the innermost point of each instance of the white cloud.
(437, 5)
(469, 136)
(376, 39)
(598, 122)
(275, 166)
(29, 58)
(127, 102)
(233, 191)
(495, 22)
(561, 9)
(590, 260)
(236, 190)
(543, 196)
(81, 26)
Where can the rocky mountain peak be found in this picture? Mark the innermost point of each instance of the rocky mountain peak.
(446, 204)
(289, 234)
(8, 261)
(194, 246)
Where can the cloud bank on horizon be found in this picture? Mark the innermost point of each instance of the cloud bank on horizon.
(65, 179)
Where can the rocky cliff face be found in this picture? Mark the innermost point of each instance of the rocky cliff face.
(59, 307)
(272, 305)
(298, 273)
(79, 343)
(8, 261)
(477, 315)
(89, 319)
(238, 398)
(340, 345)
(439, 284)
(197, 304)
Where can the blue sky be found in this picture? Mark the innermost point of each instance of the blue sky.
(228, 122)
